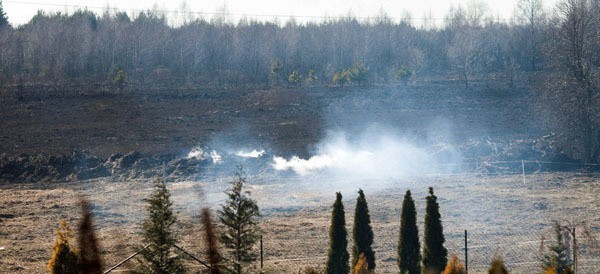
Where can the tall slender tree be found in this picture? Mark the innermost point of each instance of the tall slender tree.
(362, 233)
(90, 261)
(158, 235)
(337, 259)
(435, 255)
(239, 218)
(409, 248)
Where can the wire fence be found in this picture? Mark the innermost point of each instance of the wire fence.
(521, 252)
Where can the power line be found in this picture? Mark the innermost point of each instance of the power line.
(258, 15)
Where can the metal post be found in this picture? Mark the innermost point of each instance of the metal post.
(466, 254)
(574, 251)
(523, 169)
(261, 253)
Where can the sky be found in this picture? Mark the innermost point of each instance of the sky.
(21, 11)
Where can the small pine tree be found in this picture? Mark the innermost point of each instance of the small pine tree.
(214, 257)
(557, 257)
(435, 255)
(454, 267)
(89, 251)
(497, 267)
(239, 218)
(337, 259)
(158, 236)
(362, 233)
(64, 255)
(409, 248)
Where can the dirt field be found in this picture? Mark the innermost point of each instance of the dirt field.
(503, 216)
(284, 121)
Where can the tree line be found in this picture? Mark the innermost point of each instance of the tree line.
(85, 45)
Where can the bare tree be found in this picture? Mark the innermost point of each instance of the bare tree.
(574, 83)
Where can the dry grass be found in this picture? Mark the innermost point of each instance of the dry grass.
(503, 215)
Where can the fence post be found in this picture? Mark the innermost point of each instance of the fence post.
(523, 169)
(261, 253)
(466, 254)
(574, 251)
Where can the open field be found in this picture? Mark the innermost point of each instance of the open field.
(503, 216)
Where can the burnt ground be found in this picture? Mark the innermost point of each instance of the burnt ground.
(287, 121)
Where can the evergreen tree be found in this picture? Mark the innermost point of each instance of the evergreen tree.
(409, 248)
(64, 255)
(159, 238)
(89, 251)
(3, 18)
(239, 217)
(435, 255)
(497, 267)
(337, 259)
(362, 233)
(558, 257)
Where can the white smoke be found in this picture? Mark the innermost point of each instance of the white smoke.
(196, 153)
(199, 153)
(251, 154)
(375, 154)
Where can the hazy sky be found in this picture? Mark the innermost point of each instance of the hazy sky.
(20, 11)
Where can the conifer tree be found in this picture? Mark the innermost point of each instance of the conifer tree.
(497, 267)
(159, 238)
(89, 251)
(239, 218)
(435, 255)
(64, 255)
(337, 259)
(362, 233)
(558, 257)
(409, 248)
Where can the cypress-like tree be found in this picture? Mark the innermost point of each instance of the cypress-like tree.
(409, 248)
(239, 218)
(90, 261)
(362, 233)
(64, 255)
(337, 259)
(497, 267)
(159, 238)
(435, 255)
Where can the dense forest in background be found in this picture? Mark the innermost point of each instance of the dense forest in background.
(561, 48)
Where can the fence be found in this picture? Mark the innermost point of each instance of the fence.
(520, 252)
